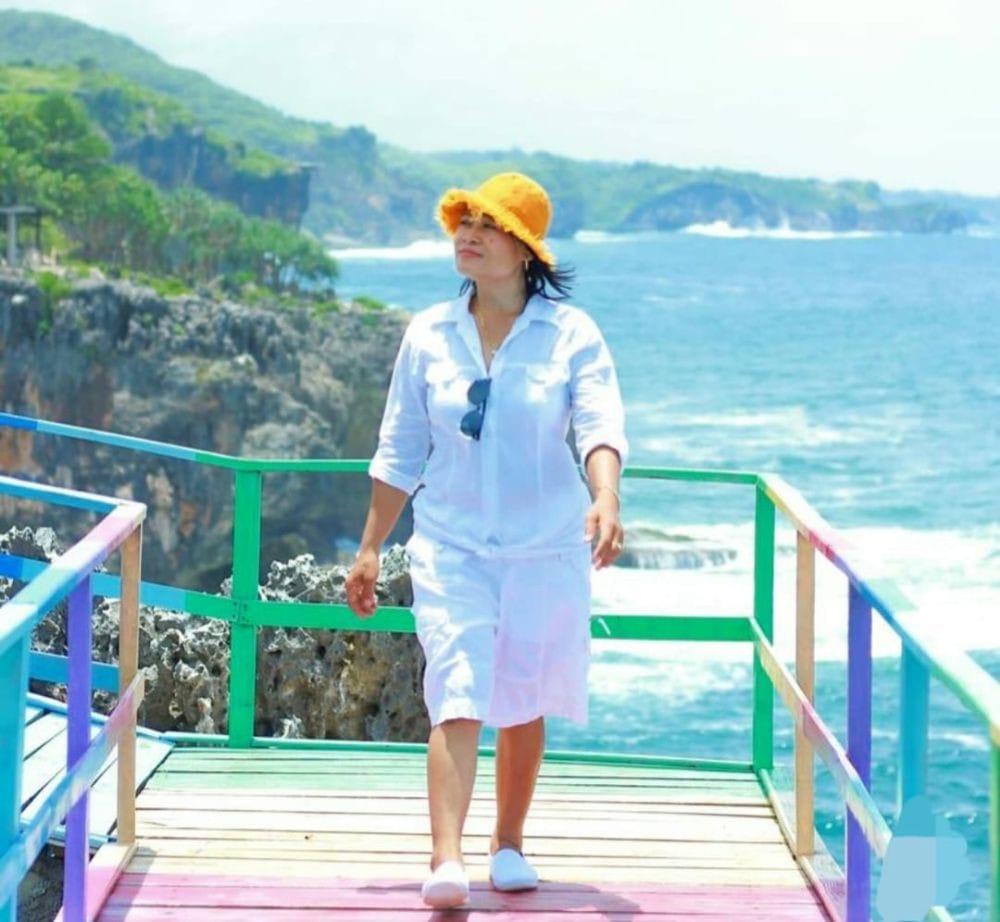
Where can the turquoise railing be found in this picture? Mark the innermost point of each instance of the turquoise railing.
(924, 655)
(70, 576)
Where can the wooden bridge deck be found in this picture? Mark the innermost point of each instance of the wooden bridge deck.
(44, 766)
(309, 835)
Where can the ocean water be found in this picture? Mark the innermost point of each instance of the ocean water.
(866, 372)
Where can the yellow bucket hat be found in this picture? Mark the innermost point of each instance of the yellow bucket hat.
(515, 201)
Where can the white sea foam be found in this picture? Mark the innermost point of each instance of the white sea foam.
(966, 741)
(990, 231)
(783, 232)
(953, 576)
(599, 236)
(689, 433)
(419, 249)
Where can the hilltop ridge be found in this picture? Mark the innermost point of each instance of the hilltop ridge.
(368, 191)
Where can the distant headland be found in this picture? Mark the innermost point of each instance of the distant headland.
(344, 186)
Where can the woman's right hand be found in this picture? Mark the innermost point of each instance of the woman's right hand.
(360, 585)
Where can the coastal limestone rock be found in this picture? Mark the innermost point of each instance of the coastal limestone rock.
(339, 684)
(211, 375)
(187, 156)
(310, 683)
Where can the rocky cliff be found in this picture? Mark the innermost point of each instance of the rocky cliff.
(208, 374)
(188, 157)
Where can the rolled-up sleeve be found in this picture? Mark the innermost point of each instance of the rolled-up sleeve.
(404, 435)
(598, 413)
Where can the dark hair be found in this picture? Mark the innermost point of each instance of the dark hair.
(552, 282)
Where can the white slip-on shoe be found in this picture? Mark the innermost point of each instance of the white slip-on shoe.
(510, 870)
(447, 886)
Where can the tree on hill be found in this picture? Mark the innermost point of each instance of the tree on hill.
(54, 157)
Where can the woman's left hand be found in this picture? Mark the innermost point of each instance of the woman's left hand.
(603, 521)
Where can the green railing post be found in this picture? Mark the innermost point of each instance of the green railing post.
(243, 637)
(763, 612)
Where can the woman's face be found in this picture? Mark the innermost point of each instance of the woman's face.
(484, 252)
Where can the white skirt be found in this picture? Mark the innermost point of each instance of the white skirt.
(506, 640)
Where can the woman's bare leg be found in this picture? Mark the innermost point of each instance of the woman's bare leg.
(451, 773)
(519, 756)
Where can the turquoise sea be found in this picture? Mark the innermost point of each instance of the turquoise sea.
(866, 372)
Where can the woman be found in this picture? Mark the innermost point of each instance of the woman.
(483, 392)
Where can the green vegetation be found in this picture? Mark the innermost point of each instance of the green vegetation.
(56, 155)
(50, 41)
(368, 304)
(127, 111)
(367, 191)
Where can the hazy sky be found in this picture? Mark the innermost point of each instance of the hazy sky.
(901, 91)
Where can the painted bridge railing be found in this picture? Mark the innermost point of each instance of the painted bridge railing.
(925, 653)
(70, 576)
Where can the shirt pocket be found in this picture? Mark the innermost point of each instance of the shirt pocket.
(546, 384)
(447, 392)
(536, 404)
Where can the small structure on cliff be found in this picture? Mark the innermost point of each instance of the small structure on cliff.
(27, 213)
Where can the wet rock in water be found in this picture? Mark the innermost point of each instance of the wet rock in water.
(320, 684)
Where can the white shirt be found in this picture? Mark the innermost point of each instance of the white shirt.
(517, 489)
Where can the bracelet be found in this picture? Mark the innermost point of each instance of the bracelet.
(612, 490)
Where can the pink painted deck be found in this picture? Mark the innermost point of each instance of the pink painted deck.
(226, 835)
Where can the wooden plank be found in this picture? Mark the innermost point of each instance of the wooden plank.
(55, 756)
(305, 763)
(482, 794)
(197, 780)
(104, 793)
(256, 802)
(741, 829)
(287, 762)
(404, 896)
(185, 758)
(299, 844)
(40, 731)
(752, 894)
(44, 770)
(372, 781)
(220, 755)
(413, 850)
(151, 913)
(417, 869)
(486, 767)
(43, 765)
(51, 761)
(286, 838)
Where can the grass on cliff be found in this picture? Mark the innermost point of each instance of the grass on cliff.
(56, 286)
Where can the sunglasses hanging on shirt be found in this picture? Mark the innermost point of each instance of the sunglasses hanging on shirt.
(472, 422)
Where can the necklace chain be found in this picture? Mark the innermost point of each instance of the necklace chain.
(490, 348)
